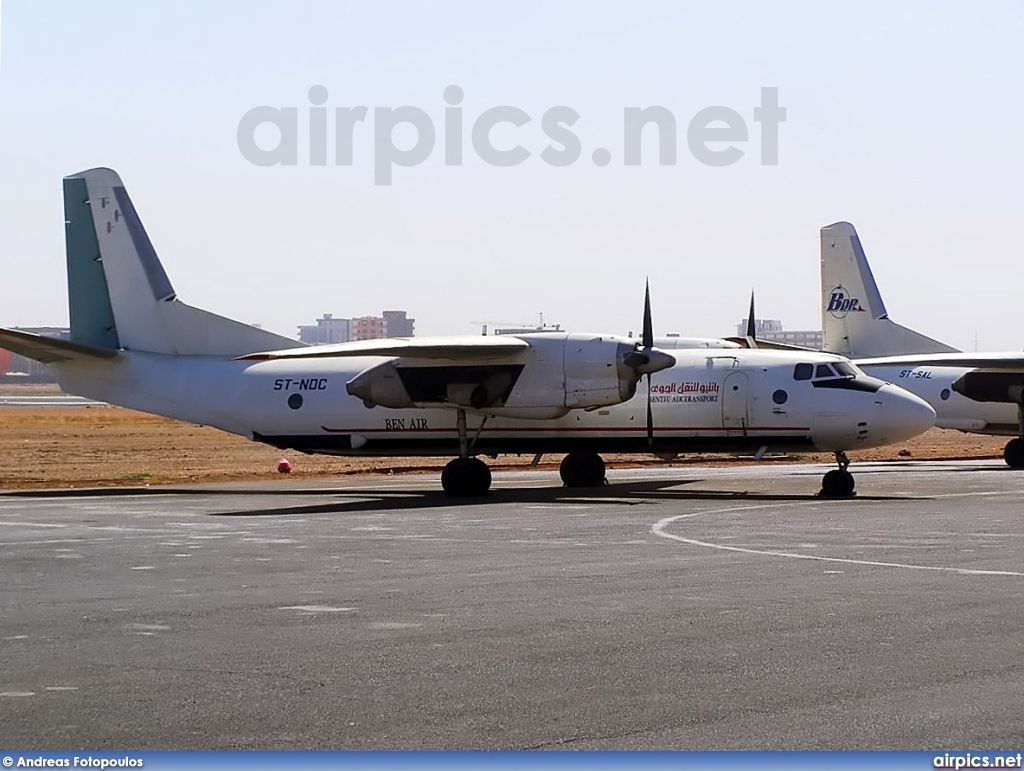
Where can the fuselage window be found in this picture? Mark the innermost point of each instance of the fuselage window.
(780, 397)
(945, 394)
(824, 371)
(803, 371)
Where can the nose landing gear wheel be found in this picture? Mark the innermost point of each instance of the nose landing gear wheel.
(1013, 454)
(582, 469)
(466, 478)
(838, 483)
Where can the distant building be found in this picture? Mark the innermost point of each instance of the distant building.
(368, 328)
(771, 331)
(327, 330)
(525, 329)
(332, 330)
(508, 328)
(398, 324)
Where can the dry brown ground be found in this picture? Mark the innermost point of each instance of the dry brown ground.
(107, 446)
(29, 389)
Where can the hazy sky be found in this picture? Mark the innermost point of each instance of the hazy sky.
(903, 118)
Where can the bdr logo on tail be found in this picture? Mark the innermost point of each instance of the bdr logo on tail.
(841, 303)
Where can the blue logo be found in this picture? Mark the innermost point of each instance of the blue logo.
(840, 303)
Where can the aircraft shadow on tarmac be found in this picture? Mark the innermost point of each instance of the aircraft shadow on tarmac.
(925, 466)
(628, 493)
(362, 499)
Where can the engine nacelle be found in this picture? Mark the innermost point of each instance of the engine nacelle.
(557, 373)
(990, 386)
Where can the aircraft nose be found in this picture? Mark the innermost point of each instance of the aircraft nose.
(903, 415)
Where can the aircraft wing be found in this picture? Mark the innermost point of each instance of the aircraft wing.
(531, 376)
(990, 377)
(676, 343)
(749, 342)
(1010, 360)
(415, 347)
(50, 349)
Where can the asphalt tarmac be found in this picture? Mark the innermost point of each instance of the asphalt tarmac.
(677, 609)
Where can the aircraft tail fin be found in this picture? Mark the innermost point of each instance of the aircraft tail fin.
(119, 295)
(854, 320)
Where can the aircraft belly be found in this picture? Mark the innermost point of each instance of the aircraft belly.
(391, 445)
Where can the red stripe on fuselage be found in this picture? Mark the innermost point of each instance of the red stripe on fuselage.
(581, 429)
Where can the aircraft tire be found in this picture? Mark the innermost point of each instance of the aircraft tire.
(466, 478)
(1013, 453)
(582, 469)
(837, 483)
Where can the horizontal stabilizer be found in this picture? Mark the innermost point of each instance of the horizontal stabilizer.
(50, 349)
(420, 348)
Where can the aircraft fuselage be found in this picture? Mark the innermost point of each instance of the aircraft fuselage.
(727, 400)
(952, 410)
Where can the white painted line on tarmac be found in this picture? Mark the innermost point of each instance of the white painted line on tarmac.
(659, 529)
(30, 524)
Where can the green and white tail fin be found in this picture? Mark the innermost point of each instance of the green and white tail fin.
(854, 320)
(118, 292)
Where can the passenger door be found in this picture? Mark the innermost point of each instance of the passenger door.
(736, 404)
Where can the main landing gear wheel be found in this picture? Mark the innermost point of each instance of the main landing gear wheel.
(838, 483)
(466, 478)
(582, 469)
(1013, 454)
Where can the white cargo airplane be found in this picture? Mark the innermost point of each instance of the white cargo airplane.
(135, 344)
(971, 392)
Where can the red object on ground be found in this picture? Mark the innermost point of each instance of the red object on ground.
(284, 466)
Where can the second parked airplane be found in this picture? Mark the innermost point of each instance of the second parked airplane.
(979, 393)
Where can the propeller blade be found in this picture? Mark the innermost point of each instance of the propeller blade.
(653, 361)
(751, 338)
(650, 415)
(648, 337)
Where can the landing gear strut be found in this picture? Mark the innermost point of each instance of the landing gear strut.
(838, 483)
(465, 476)
(1013, 454)
(582, 469)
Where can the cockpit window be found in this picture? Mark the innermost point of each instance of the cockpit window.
(803, 371)
(824, 371)
(844, 369)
